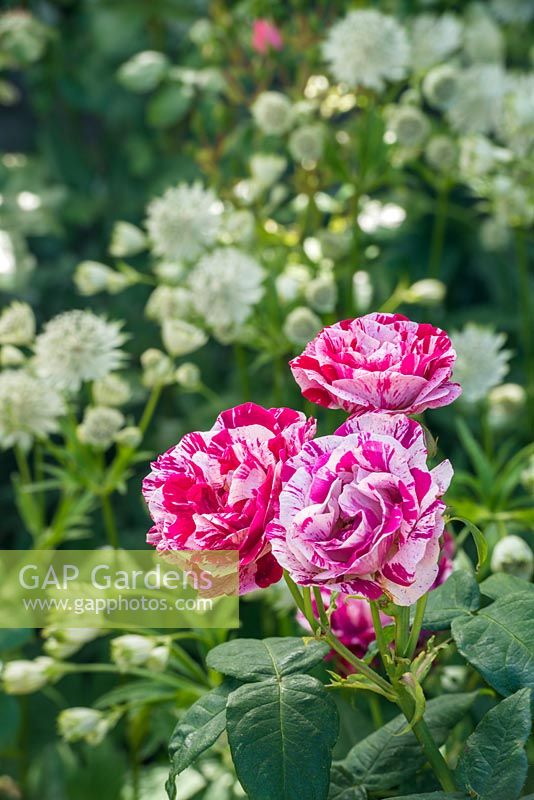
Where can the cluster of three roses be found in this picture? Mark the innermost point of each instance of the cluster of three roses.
(358, 511)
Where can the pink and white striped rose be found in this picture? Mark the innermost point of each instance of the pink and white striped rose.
(360, 512)
(218, 489)
(379, 362)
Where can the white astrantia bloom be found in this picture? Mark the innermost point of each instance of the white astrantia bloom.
(183, 222)
(99, 426)
(513, 556)
(321, 293)
(433, 38)
(374, 215)
(29, 409)
(362, 291)
(169, 302)
(441, 85)
(131, 436)
(134, 650)
(301, 325)
(291, 283)
(17, 324)
(512, 202)
(11, 356)
(483, 38)
(188, 376)
(477, 105)
(514, 11)
(111, 390)
(78, 346)
(306, 143)
(441, 153)
(63, 642)
(158, 368)
(84, 724)
(92, 277)
(273, 113)
(516, 124)
(367, 48)
(426, 292)
(170, 272)
(408, 125)
(143, 71)
(479, 156)
(482, 361)
(226, 285)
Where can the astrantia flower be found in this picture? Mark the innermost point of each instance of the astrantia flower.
(441, 153)
(17, 324)
(181, 338)
(440, 86)
(367, 48)
(169, 302)
(111, 390)
(291, 283)
(183, 221)
(217, 490)
(226, 285)
(78, 346)
(433, 38)
(481, 361)
(515, 11)
(273, 113)
(408, 124)
(381, 362)
(361, 513)
(307, 142)
(267, 168)
(301, 325)
(144, 71)
(479, 156)
(84, 724)
(477, 105)
(29, 408)
(483, 38)
(516, 125)
(513, 556)
(99, 427)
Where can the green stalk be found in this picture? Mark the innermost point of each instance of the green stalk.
(438, 232)
(402, 629)
(109, 521)
(150, 408)
(416, 627)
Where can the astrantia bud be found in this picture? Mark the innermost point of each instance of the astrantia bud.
(130, 436)
(99, 427)
(127, 240)
(273, 113)
(63, 642)
(111, 390)
(301, 325)
(188, 376)
(440, 86)
(505, 403)
(267, 168)
(306, 143)
(513, 556)
(92, 277)
(170, 272)
(25, 677)
(441, 153)
(158, 368)
(290, 284)
(84, 724)
(159, 657)
(362, 291)
(321, 293)
(11, 356)
(427, 292)
(131, 650)
(169, 302)
(143, 72)
(17, 324)
(181, 338)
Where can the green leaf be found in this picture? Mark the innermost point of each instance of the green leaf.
(10, 716)
(256, 659)
(478, 536)
(140, 693)
(281, 735)
(342, 785)
(385, 759)
(432, 796)
(499, 642)
(198, 729)
(501, 584)
(493, 764)
(169, 105)
(457, 597)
